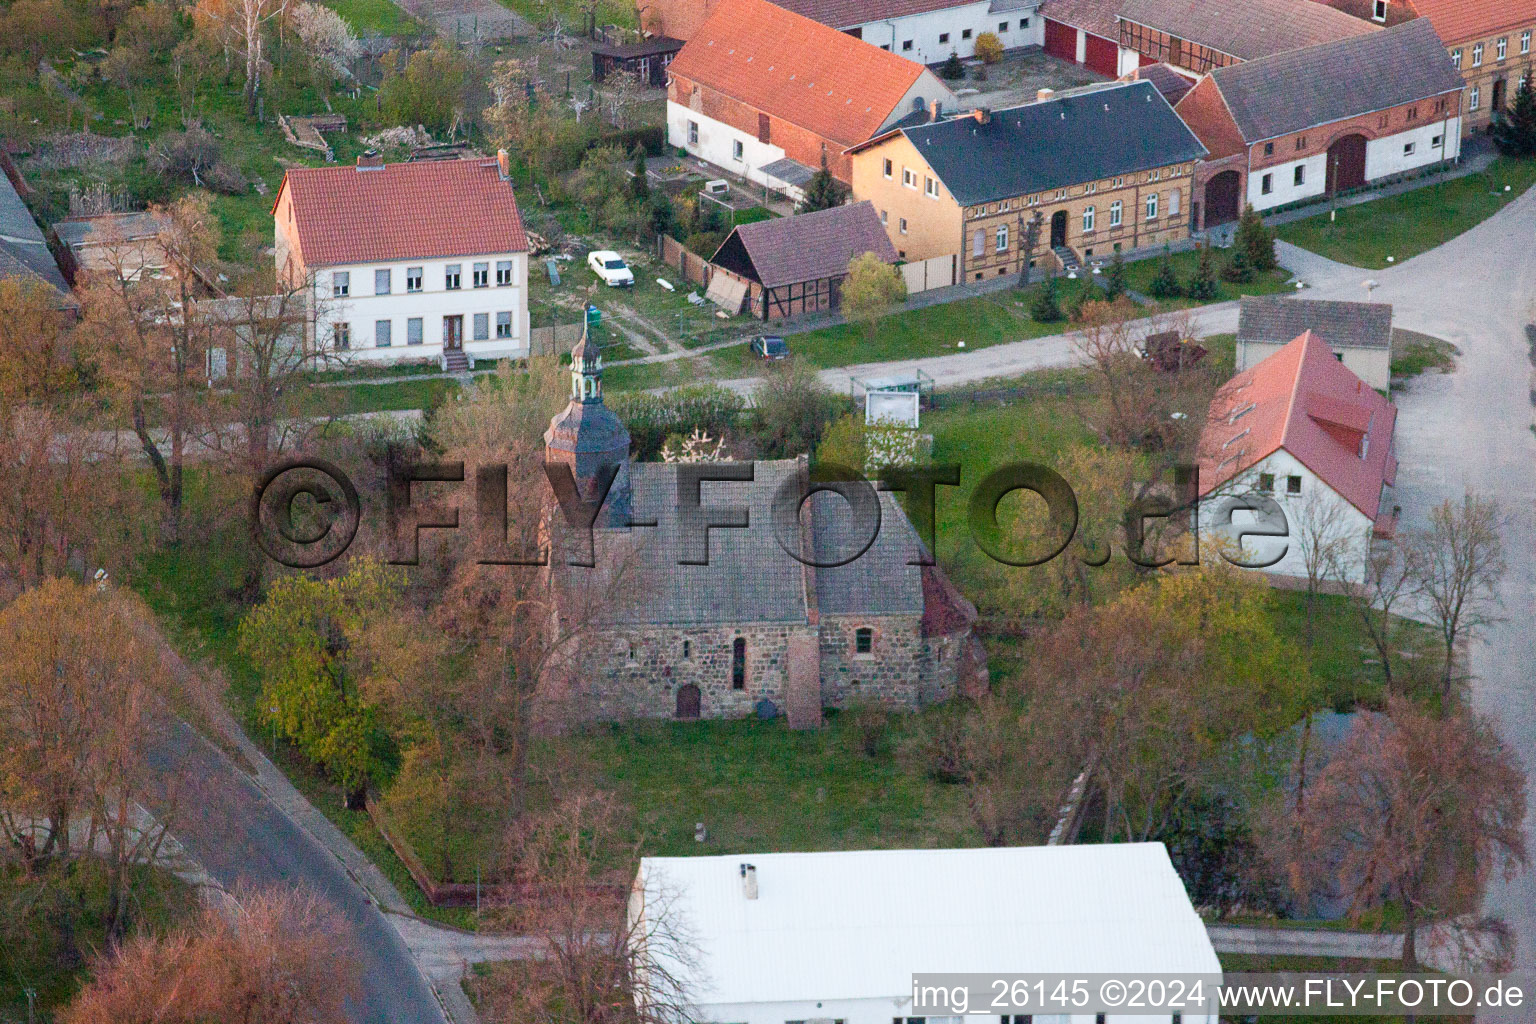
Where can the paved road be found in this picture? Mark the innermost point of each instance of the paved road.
(1473, 429)
(241, 837)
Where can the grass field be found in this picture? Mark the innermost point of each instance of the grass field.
(1402, 226)
(375, 17)
(1414, 353)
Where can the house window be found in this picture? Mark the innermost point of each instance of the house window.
(739, 663)
(482, 275)
(1477, 55)
(413, 331)
(413, 279)
(341, 283)
(1119, 182)
(451, 275)
(737, 149)
(1088, 215)
(1002, 26)
(503, 272)
(1475, 98)
(1502, 47)
(1091, 187)
(1267, 184)
(930, 187)
(1269, 149)
(381, 329)
(906, 44)
(1267, 483)
(1116, 209)
(1293, 484)
(886, 168)
(1379, 12)
(1407, 149)
(482, 327)
(504, 324)
(979, 243)
(1152, 206)
(341, 336)
(943, 37)
(381, 282)
(1525, 41)
(1437, 141)
(863, 640)
(687, 649)
(693, 133)
(903, 225)
(1173, 203)
(966, 34)
(1413, 113)
(908, 177)
(1456, 59)
(764, 128)
(1301, 143)
(1300, 177)
(1023, 23)
(1002, 238)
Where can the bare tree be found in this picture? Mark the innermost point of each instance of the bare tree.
(281, 958)
(1390, 575)
(243, 23)
(1418, 809)
(1320, 529)
(1458, 564)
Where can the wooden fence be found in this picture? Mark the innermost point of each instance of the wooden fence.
(553, 341)
(938, 272)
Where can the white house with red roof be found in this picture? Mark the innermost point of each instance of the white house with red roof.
(1300, 429)
(424, 260)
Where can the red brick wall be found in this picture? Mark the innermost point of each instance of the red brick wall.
(679, 19)
(798, 143)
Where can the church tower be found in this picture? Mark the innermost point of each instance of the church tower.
(587, 436)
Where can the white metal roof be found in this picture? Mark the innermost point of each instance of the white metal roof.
(857, 925)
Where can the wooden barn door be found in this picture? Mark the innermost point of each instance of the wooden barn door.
(1346, 163)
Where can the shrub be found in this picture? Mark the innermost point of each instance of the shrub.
(794, 407)
(1239, 268)
(1114, 278)
(953, 69)
(1257, 241)
(989, 48)
(704, 242)
(652, 419)
(1166, 284)
(870, 723)
(1202, 286)
(1046, 308)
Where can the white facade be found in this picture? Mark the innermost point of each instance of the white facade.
(1318, 519)
(1400, 153)
(783, 937)
(930, 37)
(491, 299)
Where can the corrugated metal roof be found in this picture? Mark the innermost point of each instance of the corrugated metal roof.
(857, 925)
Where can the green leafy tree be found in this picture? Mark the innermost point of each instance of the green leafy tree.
(873, 288)
(952, 68)
(1256, 241)
(1239, 268)
(1114, 278)
(1046, 307)
(1166, 284)
(989, 48)
(639, 183)
(1202, 286)
(823, 191)
(794, 407)
(310, 641)
(1514, 129)
(428, 89)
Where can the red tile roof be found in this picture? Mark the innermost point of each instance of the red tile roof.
(402, 212)
(838, 87)
(1302, 399)
(1458, 21)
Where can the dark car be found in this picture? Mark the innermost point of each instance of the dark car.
(770, 346)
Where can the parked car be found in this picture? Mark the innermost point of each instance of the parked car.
(770, 346)
(610, 266)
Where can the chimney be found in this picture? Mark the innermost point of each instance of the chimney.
(1041, 95)
(983, 115)
(504, 164)
(749, 881)
(370, 158)
(936, 110)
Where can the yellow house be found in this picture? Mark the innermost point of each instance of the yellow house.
(1096, 171)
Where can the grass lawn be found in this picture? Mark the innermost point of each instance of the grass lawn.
(1402, 226)
(1139, 275)
(1414, 353)
(375, 17)
(31, 956)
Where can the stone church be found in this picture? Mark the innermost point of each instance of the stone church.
(755, 630)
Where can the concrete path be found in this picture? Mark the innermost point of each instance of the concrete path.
(1472, 429)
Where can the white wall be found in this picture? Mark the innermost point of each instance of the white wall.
(1385, 157)
(1372, 365)
(362, 308)
(923, 31)
(1285, 188)
(1351, 527)
(715, 144)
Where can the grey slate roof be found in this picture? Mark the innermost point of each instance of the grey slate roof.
(1246, 29)
(1065, 141)
(791, 172)
(23, 249)
(811, 246)
(1293, 91)
(1096, 17)
(126, 226)
(1169, 82)
(750, 577)
(1276, 320)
